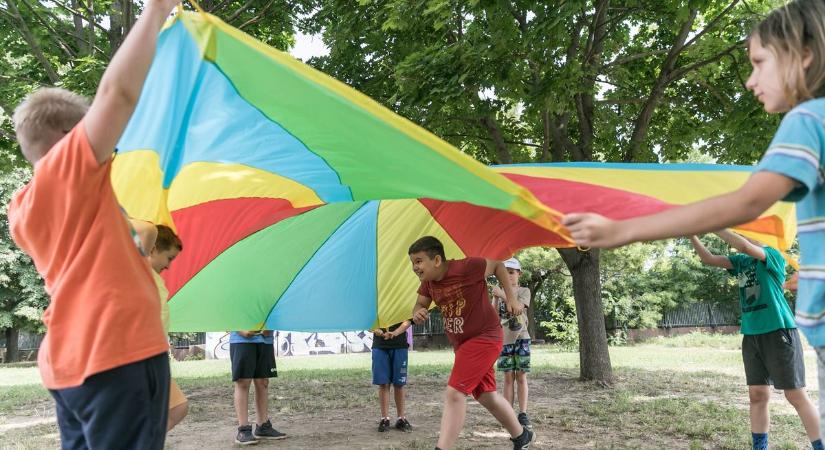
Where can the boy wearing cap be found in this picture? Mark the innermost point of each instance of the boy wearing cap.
(515, 354)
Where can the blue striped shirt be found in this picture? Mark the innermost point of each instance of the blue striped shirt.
(796, 152)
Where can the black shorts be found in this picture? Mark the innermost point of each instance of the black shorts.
(125, 407)
(252, 361)
(774, 358)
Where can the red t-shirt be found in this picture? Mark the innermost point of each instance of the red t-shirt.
(462, 298)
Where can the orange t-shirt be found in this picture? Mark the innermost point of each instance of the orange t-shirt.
(104, 309)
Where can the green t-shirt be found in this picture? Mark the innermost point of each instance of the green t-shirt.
(761, 298)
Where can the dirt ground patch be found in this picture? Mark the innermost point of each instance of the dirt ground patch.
(647, 409)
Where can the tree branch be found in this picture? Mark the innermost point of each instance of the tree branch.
(239, 11)
(68, 8)
(712, 23)
(642, 122)
(61, 43)
(631, 58)
(499, 142)
(258, 17)
(32, 42)
(682, 71)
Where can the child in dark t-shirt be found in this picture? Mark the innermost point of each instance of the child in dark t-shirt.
(389, 368)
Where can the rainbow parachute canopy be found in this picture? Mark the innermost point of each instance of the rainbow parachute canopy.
(224, 117)
(296, 197)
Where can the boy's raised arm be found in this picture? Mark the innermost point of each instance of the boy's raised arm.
(708, 258)
(742, 244)
(119, 89)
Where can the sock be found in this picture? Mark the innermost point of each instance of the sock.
(760, 441)
(817, 445)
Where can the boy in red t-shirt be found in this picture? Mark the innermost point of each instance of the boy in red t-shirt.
(459, 289)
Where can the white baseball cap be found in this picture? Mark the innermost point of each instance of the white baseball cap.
(512, 263)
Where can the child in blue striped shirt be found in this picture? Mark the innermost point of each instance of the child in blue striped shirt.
(787, 52)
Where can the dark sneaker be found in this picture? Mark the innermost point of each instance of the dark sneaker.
(525, 421)
(244, 436)
(523, 442)
(403, 425)
(266, 431)
(384, 425)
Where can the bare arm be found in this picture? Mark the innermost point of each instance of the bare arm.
(122, 81)
(708, 258)
(398, 331)
(421, 309)
(762, 190)
(742, 244)
(514, 306)
(147, 232)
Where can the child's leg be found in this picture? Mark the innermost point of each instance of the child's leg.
(398, 392)
(502, 411)
(509, 387)
(241, 398)
(506, 363)
(522, 366)
(261, 400)
(760, 419)
(806, 410)
(521, 380)
(384, 399)
(176, 415)
(452, 417)
(178, 405)
(399, 378)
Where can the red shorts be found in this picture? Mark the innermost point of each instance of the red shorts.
(473, 368)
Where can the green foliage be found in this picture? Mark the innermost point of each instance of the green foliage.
(640, 283)
(22, 295)
(58, 44)
(538, 81)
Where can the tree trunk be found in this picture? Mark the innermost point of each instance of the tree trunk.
(594, 357)
(12, 352)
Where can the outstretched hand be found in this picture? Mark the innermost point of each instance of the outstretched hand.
(594, 230)
(420, 316)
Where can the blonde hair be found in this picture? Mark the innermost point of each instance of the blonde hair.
(794, 32)
(45, 112)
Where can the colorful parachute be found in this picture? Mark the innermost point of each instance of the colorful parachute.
(222, 116)
(296, 197)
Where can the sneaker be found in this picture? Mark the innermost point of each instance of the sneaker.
(384, 425)
(403, 425)
(266, 431)
(525, 421)
(523, 442)
(244, 436)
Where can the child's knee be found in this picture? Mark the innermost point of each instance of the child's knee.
(261, 382)
(795, 396)
(243, 382)
(759, 396)
(454, 395)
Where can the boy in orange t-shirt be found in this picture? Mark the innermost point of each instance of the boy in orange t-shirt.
(103, 358)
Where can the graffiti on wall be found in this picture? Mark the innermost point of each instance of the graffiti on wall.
(292, 343)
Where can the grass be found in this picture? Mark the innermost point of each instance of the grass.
(686, 391)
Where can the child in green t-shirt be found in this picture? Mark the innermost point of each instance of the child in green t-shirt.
(771, 347)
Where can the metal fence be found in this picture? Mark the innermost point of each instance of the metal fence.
(433, 326)
(701, 315)
(691, 315)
